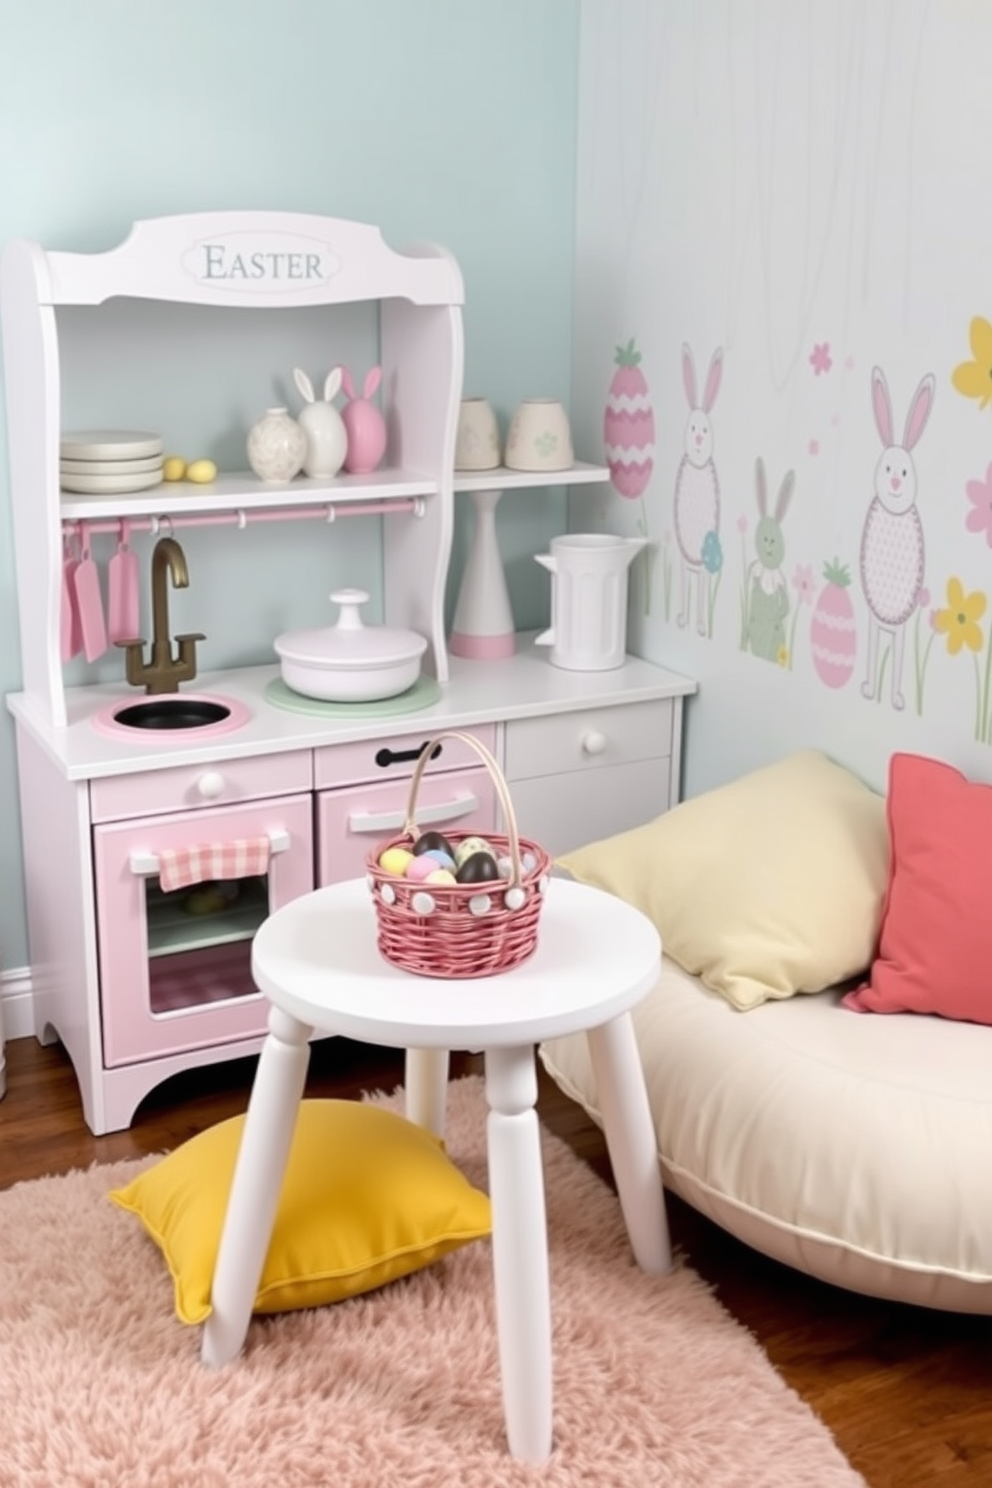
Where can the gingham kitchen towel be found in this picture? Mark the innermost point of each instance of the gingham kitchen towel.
(178, 867)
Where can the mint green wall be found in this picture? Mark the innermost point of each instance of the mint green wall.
(448, 120)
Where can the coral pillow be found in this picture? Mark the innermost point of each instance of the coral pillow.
(935, 945)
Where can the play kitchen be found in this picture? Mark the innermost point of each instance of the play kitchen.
(166, 811)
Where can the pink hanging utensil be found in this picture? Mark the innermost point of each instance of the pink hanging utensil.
(123, 620)
(70, 633)
(86, 581)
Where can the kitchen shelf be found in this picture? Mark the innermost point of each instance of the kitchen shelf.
(241, 490)
(502, 478)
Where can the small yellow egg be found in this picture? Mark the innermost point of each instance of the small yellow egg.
(173, 468)
(394, 860)
(201, 471)
(441, 876)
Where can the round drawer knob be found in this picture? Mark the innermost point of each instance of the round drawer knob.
(210, 784)
(593, 742)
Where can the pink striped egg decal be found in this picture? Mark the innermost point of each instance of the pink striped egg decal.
(833, 638)
(628, 425)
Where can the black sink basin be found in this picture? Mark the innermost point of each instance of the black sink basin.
(172, 713)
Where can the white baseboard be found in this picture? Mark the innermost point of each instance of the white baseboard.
(16, 1016)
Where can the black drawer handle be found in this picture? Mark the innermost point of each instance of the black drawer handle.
(386, 757)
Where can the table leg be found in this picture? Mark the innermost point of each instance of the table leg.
(258, 1174)
(427, 1088)
(630, 1138)
(520, 1251)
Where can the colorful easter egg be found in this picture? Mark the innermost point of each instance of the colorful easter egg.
(442, 858)
(478, 867)
(470, 845)
(440, 876)
(429, 841)
(832, 631)
(420, 868)
(394, 860)
(628, 425)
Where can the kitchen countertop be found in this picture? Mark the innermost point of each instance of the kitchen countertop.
(522, 686)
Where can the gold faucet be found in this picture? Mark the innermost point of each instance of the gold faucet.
(163, 673)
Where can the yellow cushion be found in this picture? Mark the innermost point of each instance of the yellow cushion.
(767, 886)
(367, 1197)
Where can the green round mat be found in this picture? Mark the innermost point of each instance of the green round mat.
(424, 692)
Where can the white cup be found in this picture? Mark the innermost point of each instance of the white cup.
(477, 440)
(539, 437)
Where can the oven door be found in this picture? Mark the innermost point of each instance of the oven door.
(175, 962)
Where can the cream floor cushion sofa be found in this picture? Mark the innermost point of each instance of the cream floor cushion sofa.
(852, 1145)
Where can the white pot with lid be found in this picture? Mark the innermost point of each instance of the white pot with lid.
(350, 662)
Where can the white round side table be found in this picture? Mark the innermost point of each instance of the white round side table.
(317, 961)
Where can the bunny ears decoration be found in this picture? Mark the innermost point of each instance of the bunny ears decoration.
(364, 422)
(355, 438)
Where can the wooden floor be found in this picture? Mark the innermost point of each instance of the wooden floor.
(907, 1393)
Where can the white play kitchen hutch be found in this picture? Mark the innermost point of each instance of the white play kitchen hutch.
(136, 988)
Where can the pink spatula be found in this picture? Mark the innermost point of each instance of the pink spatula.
(70, 634)
(86, 581)
(123, 618)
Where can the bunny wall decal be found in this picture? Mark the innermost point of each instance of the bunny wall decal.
(768, 600)
(697, 487)
(892, 548)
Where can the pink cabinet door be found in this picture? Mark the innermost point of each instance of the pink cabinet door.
(354, 820)
(175, 967)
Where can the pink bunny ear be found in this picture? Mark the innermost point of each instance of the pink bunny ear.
(882, 404)
(372, 381)
(713, 379)
(919, 411)
(761, 486)
(688, 374)
(347, 385)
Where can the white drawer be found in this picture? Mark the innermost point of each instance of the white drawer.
(574, 809)
(187, 787)
(594, 738)
(395, 758)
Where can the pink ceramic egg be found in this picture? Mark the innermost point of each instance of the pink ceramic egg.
(419, 869)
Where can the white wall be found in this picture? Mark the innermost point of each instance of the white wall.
(804, 188)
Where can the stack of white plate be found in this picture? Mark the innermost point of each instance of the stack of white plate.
(106, 462)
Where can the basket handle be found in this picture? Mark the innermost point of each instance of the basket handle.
(412, 830)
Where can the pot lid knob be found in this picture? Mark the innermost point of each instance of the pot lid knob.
(349, 600)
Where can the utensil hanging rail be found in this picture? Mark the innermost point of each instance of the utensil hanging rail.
(240, 518)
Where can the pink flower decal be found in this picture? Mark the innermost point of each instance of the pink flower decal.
(820, 359)
(979, 519)
(814, 446)
(803, 583)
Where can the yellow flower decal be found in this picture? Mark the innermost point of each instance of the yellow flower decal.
(959, 621)
(974, 378)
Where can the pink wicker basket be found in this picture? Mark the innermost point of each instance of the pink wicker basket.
(461, 930)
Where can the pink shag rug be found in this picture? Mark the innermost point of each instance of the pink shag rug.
(655, 1384)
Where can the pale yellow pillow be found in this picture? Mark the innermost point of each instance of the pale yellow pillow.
(367, 1197)
(767, 886)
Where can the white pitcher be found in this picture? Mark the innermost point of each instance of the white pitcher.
(588, 600)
